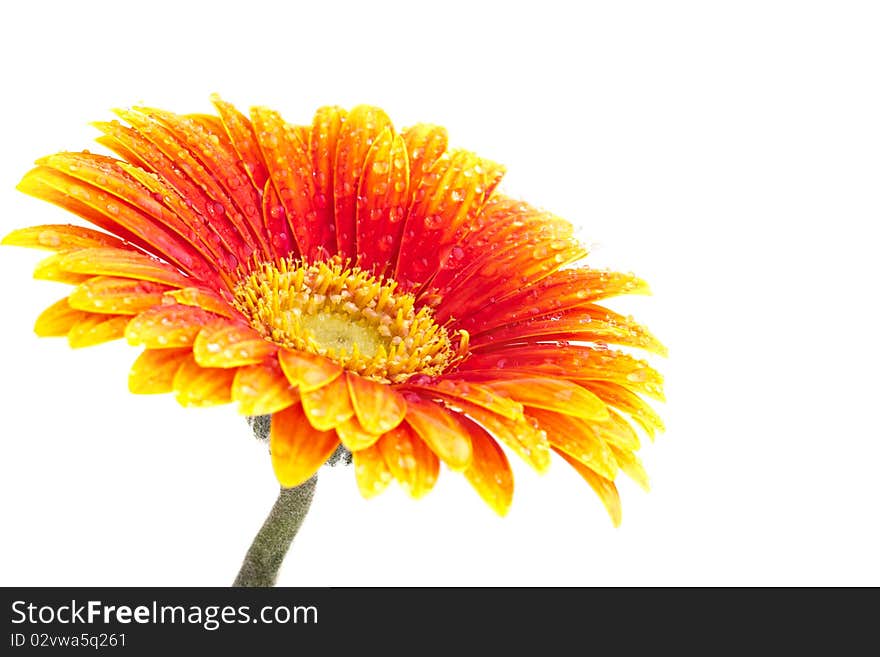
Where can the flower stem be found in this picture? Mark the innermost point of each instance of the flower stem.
(263, 559)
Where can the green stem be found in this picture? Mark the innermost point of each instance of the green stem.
(263, 559)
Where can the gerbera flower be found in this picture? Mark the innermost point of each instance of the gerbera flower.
(362, 286)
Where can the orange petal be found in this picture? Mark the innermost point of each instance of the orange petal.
(49, 269)
(441, 430)
(120, 262)
(410, 460)
(605, 489)
(263, 389)
(617, 431)
(553, 394)
(241, 133)
(577, 438)
(307, 371)
(298, 449)
(425, 143)
(475, 393)
(638, 409)
(195, 385)
(378, 407)
(370, 471)
(96, 329)
(222, 343)
(523, 436)
(329, 406)
(489, 472)
(202, 298)
(167, 326)
(153, 371)
(61, 238)
(354, 436)
(58, 319)
(117, 296)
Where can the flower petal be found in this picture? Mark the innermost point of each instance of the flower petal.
(523, 436)
(96, 329)
(577, 439)
(410, 460)
(117, 296)
(262, 389)
(49, 269)
(475, 393)
(383, 199)
(440, 429)
(354, 436)
(370, 471)
(451, 196)
(553, 394)
(632, 466)
(61, 238)
(224, 343)
(153, 371)
(202, 298)
(425, 144)
(489, 472)
(362, 127)
(123, 263)
(167, 326)
(195, 385)
(241, 133)
(378, 407)
(323, 139)
(639, 410)
(605, 489)
(298, 450)
(307, 371)
(328, 406)
(58, 319)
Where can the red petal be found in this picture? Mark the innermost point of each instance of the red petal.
(323, 139)
(298, 450)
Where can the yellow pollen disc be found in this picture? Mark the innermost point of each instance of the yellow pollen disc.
(347, 315)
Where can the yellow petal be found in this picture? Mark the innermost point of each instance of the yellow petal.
(410, 460)
(370, 471)
(298, 449)
(61, 238)
(632, 466)
(263, 389)
(223, 343)
(167, 326)
(96, 329)
(441, 430)
(307, 371)
(354, 436)
(378, 407)
(195, 385)
(153, 371)
(58, 319)
(604, 488)
(329, 406)
(489, 472)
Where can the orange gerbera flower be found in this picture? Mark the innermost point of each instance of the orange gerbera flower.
(361, 285)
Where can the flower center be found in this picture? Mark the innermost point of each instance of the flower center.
(347, 315)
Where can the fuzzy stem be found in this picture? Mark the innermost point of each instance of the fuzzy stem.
(263, 559)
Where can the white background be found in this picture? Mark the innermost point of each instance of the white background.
(728, 152)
